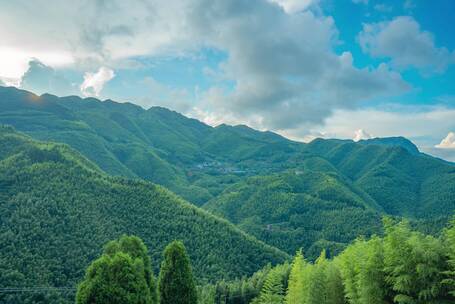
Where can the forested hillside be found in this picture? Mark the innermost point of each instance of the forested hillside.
(303, 208)
(338, 190)
(288, 194)
(58, 209)
(404, 266)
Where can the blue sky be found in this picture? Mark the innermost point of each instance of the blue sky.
(302, 68)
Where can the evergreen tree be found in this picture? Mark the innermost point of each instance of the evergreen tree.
(135, 248)
(295, 293)
(272, 291)
(348, 264)
(317, 292)
(414, 264)
(176, 284)
(116, 279)
(371, 278)
(449, 280)
(334, 285)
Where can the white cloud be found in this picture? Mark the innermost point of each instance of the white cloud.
(283, 66)
(14, 62)
(94, 82)
(40, 78)
(293, 6)
(361, 134)
(448, 142)
(406, 44)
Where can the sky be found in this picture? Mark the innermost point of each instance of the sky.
(303, 68)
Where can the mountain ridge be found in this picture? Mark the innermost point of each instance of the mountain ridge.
(201, 163)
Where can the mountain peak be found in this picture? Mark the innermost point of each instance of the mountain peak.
(393, 141)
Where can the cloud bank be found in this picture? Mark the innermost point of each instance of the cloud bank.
(284, 68)
(283, 73)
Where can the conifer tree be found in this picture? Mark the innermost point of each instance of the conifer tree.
(371, 277)
(334, 285)
(176, 283)
(317, 292)
(116, 279)
(414, 264)
(348, 263)
(272, 291)
(295, 293)
(449, 279)
(135, 248)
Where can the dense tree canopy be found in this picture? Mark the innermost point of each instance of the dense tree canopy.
(404, 267)
(58, 209)
(115, 279)
(176, 283)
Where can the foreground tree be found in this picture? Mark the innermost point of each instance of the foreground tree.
(176, 284)
(123, 275)
(275, 284)
(136, 249)
(114, 280)
(296, 292)
(414, 264)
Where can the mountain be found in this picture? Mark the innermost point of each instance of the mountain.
(158, 145)
(58, 209)
(231, 170)
(393, 141)
(403, 183)
(301, 208)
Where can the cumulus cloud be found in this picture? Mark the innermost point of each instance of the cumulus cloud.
(284, 74)
(94, 82)
(293, 6)
(406, 44)
(361, 134)
(41, 78)
(448, 142)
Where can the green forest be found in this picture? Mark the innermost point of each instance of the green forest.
(404, 266)
(97, 194)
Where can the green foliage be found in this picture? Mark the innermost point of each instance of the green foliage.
(449, 236)
(361, 266)
(58, 209)
(239, 291)
(116, 279)
(339, 191)
(296, 287)
(289, 195)
(136, 249)
(291, 210)
(403, 267)
(414, 264)
(274, 287)
(176, 284)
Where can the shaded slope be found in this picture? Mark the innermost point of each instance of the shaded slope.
(401, 182)
(57, 210)
(299, 208)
